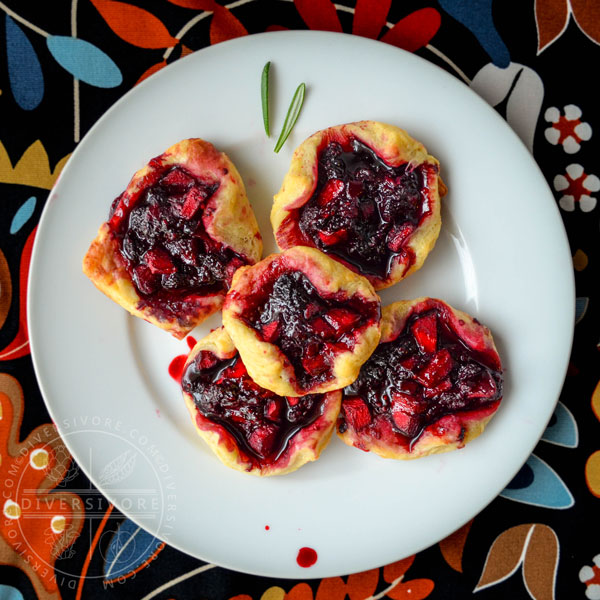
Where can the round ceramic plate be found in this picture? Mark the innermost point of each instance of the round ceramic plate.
(502, 256)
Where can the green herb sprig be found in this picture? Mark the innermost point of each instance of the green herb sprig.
(292, 113)
(291, 117)
(264, 96)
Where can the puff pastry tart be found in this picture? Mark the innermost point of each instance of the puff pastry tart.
(302, 323)
(175, 237)
(432, 384)
(365, 193)
(249, 428)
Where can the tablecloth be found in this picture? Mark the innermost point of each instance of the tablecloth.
(63, 64)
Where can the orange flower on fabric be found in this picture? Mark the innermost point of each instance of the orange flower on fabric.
(553, 16)
(36, 525)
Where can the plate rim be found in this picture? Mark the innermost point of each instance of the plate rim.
(139, 89)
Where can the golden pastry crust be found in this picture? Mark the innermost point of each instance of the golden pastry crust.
(334, 285)
(449, 429)
(304, 446)
(227, 219)
(392, 145)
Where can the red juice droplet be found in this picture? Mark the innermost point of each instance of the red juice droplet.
(307, 557)
(176, 367)
(191, 342)
(267, 527)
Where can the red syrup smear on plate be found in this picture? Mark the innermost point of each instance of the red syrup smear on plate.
(307, 557)
(267, 527)
(176, 367)
(177, 364)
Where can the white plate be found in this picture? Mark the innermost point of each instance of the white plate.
(502, 256)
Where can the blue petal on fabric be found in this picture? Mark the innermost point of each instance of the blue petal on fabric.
(476, 15)
(23, 215)
(581, 306)
(130, 547)
(541, 487)
(84, 61)
(24, 69)
(562, 429)
(524, 478)
(8, 592)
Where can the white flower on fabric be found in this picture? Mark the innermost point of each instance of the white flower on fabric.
(567, 129)
(576, 186)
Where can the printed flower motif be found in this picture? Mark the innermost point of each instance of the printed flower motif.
(410, 33)
(567, 129)
(576, 186)
(357, 585)
(533, 547)
(591, 577)
(37, 523)
(592, 465)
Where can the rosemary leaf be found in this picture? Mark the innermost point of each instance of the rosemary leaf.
(264, 96)
(291, 117)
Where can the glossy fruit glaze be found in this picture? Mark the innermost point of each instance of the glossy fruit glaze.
(261, 423)
(364, 211)
(309, 328)
(164, 243)
(427, 372)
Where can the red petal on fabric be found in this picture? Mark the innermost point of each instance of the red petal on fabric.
(185, 51)
(20, 345)
(225, 26)
(415, 30)
(135, 25)
(331, 588)
(369, 17)
(453, 546)
(5, 289)
(551, 17)
(153, 69)
(416, 589)
(319, 14)
(301, 591)
(587, 16)
(357, 587)
(362, 585)
(195, 4)
(277, 28)
(394, 570)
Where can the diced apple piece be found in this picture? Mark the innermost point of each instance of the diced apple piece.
(438, 368)
(159, 261)
(424, 331)
(356, 412)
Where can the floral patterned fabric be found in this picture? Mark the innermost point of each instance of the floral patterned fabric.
(63, 64)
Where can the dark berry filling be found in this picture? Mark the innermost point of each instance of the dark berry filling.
(363, 210)
(309, 329)
(427, 372)
(164, 243)
(261, 422)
